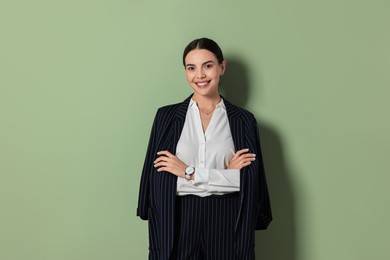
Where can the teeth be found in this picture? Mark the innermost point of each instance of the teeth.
(202, 84)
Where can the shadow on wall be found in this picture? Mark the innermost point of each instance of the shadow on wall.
(279, 241)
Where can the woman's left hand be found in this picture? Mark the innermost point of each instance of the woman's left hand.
(170, 163)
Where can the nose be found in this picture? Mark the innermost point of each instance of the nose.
(200, 74)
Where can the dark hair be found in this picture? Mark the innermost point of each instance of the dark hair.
(204, 43)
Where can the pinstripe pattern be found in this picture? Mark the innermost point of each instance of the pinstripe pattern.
(205, 227)
(157, 193)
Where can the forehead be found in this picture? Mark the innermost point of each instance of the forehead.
(200, 56)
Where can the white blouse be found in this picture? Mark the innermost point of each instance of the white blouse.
(209, 152)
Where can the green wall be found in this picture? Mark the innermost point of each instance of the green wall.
(80, 82)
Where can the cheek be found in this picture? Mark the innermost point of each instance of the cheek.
(214, 75)
(189, 76)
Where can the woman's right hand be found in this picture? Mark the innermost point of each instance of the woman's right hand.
(241, 159)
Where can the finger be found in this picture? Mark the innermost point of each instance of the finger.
(162, 169)
(250, 159)
(160, 164)
(166, 169)
(247, 155)
(161, 159)
(243, 164)
(247, 163)
(166, 153)
(242, 151)
(237, 154)
(247, 159)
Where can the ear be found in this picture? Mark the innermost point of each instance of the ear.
(223, 67)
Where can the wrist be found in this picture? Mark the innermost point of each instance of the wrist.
(189, 172)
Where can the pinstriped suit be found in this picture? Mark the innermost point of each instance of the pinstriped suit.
(157, 194)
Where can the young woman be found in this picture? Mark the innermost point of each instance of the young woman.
(203, 188)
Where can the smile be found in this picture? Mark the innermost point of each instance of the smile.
(202, 84)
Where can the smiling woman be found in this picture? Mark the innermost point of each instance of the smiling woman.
(203, 71)
(203, 188)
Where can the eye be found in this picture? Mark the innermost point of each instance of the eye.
(208, 66)
(190, 68)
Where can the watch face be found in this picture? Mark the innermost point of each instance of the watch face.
(189, 170)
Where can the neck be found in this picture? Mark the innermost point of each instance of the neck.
(207, 102)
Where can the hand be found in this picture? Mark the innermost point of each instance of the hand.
(241, 159)
(170, 163)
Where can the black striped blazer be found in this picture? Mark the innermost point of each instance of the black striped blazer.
(157, 193)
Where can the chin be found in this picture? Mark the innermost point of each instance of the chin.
(205, 93)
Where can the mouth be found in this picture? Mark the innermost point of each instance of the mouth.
(202, 84)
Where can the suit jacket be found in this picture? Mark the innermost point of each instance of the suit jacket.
(157, 192)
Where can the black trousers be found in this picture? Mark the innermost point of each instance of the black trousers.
(205, 227)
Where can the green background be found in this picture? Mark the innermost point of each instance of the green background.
(80, 82)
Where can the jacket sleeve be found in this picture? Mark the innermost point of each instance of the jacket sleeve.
(148, 169)
(265, 215)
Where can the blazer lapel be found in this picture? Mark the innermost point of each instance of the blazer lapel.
(178, 122)
(236, 126)
(174, 121)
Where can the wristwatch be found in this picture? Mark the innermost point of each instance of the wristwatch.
(188, 172)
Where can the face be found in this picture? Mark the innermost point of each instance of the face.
(203, 72)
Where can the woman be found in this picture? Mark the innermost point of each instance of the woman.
(203, 189)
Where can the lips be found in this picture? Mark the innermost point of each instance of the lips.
(202, 84)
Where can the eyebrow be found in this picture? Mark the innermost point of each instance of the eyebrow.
(202, 63)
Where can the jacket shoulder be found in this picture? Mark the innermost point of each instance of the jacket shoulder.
(246, 113)
(168, 108)
(243, 113)
(178, 109)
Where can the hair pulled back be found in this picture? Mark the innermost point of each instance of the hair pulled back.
(206, 44)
